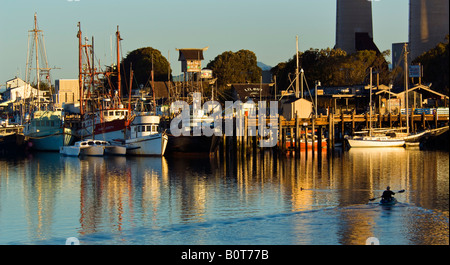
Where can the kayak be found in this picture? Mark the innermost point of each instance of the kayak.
(390, 202)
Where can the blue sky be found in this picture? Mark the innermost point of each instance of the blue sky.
(266, 27)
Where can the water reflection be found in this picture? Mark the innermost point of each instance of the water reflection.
(48, 196)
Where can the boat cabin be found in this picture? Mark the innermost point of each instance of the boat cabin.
(109, 115)
(144, 126)
(45, 120)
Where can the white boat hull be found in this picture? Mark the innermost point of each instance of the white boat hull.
(115, 150)
(147, 145)
(375, 143)
(69, 150)
(92, 151)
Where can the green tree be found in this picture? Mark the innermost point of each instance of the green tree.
(333, 67)
(235, 67)
(436, 66)
(142, 60)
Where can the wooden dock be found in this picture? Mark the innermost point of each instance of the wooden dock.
(333, 127)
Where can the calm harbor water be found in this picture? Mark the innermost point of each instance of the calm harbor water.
(46, 198)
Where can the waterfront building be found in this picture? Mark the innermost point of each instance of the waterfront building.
(17, 89)
(67, 92)
(253, 91)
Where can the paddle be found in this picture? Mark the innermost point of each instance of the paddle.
(400, 191)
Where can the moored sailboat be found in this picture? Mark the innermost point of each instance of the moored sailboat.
(371, 140)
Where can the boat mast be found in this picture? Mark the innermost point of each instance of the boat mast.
(80, 66)
(153, 87)
(37, 45)
(35, 30)
(370, 104)
(296, 69)
(406, 87)
(118, 39)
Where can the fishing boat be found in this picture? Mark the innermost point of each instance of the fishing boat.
(188, 143)
(144, 137)
(309, 144)
(46, 131)
(87, 147)
(105, 124)
(11, 138)
(103, 115)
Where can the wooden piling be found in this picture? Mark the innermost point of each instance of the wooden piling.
(297, 136)
(342, 126)
(306, 140)
(353, 121)
(313, 134)
(319, 141)
(245, 133)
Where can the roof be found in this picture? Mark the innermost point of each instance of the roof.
(427, 91)
(254, 91)
(191, 54)
(385, 92)
(297, 100)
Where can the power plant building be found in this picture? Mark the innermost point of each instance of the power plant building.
(428, 25)
(354, 26)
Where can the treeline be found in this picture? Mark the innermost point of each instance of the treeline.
(435, 64)
(332, 67)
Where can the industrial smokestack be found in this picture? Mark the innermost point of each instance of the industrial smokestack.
(428, 24)
(354, 25)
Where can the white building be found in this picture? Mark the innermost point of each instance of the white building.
(17, 89)
(67, 92)
(300, 108)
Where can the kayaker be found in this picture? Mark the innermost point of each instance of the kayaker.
(387, 194)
